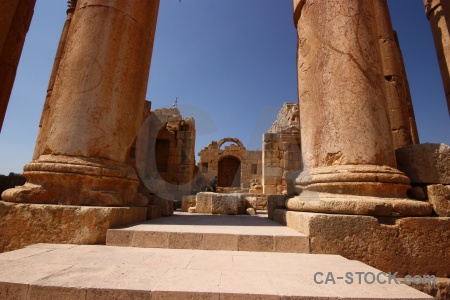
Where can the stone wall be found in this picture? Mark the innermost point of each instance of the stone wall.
(281, 150)
(215, 161)
(165, 154)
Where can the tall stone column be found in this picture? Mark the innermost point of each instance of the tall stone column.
(96, 108)
(395, 82)
(347, 146)
(59, 54)
(15, 19)
(438, 13)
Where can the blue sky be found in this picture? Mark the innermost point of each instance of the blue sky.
(231, 63)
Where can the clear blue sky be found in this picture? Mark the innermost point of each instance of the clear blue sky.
(231, 63)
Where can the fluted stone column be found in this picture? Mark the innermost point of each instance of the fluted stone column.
(347, 146)
(438, 13)
(96, 108)
(15, 19)
(395, 82)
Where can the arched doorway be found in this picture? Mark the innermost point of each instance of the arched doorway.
(229, 172)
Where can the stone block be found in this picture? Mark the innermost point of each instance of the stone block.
(150, 239)
(214, 241)
(270, 137)
(187, 202)
(118, 237)
(439, 197)
(203, 203)
(270, 189)
(165, 204)
(425, 163)
(262, 243)
(275, 202)
(25, 224)
(404, 245)
(185, 240)
(225, 204)
(291, 244)
(276, 172)
(153, 212)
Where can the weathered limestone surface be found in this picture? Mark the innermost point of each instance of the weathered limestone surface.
(15, 19)
(187, 202)
(425, 163)
(98, 91)
(346, 138)
(165, 156)
(401, 113)
(357, 205)
(222, 204)
(439, 197)
(25, 224)
(281, 150)
(153, 212)
(438, 13)
(59, 54)
(403, 245)
(233, 164)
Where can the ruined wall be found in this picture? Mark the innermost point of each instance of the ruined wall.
(281, 150)
(165, 154)
(215, 161)
(252, 171)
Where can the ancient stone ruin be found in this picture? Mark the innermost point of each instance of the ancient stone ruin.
(234, 165)
(281, 151)
(361, 185)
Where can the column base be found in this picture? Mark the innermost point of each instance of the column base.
(361, 180)
(26, 224)
(68, 180)
(310, 201)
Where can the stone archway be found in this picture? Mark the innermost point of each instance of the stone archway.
(229, 172)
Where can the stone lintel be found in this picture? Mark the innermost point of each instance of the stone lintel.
(414, 246)
(25, 224)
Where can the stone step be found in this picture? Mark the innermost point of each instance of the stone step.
(69, 272)
(211, 232)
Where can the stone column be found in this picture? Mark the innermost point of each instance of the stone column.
(347, 146)
(438, 13)
(96, 108)
(15, 19)
(397, 89)
(59, 53)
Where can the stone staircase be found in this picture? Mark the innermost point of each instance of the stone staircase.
(211, 232)
(189, 257)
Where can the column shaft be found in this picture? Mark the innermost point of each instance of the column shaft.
(395, 83)
(347, 145)
(59, 53)
(438, 13)
(96, 108)
(15, 19)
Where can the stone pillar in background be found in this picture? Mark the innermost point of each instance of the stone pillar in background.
(15, 19)
(59, 53)
(411, 114)
(96, 108)
(438, 13)
(346, 139)
(397, 89)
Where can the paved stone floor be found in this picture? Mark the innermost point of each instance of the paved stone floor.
(51, 271)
